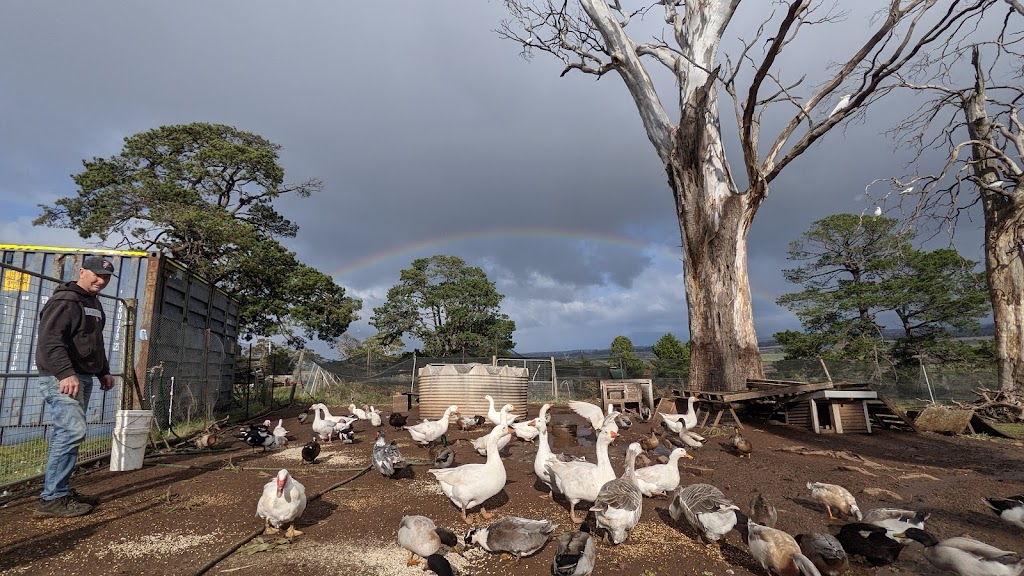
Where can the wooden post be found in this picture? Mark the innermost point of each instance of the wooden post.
(814, 417)
(554, 378)
(867, 415)
(837, 417)
(825, 368)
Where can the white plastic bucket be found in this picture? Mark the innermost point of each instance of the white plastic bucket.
(131, 434)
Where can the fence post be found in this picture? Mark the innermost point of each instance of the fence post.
(554, 379)
(129, 382)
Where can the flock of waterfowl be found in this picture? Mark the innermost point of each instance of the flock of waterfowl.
(612, 503)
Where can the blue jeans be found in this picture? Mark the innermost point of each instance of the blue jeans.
(68, 415)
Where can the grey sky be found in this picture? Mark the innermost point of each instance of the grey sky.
(431, 135)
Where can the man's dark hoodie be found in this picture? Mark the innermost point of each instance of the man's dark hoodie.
(71, 334)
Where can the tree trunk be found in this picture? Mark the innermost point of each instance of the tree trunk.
(713, 222)
(1004, 241)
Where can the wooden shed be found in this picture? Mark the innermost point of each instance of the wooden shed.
(627, 394)
(832, 411)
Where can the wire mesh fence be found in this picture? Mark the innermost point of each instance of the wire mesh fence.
(24, 421)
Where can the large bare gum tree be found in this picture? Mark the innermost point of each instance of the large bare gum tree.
(714, 213)
(977, 123)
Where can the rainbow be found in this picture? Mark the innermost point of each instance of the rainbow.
(403, 255)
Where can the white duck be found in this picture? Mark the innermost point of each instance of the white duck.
(282, 502)
(967, 556)
(374, 417)
(593, 414)
(495, 415)
(358, 412)
(619, 504)
(427, 432)
(471, 485)
(580, 481)
(280, 434)
(661, 478)
(688, 418)
(896, 521)
(421, 537)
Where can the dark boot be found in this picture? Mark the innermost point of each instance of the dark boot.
(84, 498)
(63, 507)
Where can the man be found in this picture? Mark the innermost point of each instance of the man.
(70, 352)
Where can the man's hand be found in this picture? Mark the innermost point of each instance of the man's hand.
(106, 382)
(69, 386)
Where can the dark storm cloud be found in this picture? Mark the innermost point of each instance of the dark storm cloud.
(431, 135)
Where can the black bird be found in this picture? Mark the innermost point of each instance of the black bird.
(397, 420)
(869, 541)
(439, 565)
(258, 435)
(347, 436)
(311, 450)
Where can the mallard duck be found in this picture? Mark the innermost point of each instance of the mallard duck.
(575, 554)
(580, 481)
(594, 415)
(825, 552)
(421, 537)
(282, 502)
(519, 537)
(741, 444)
(895, 521)
(650, 442)
(426, 432)
(835, 496)
(705, 509)
(386, 458)
(763, 512)
(619, 503)
(778, 552)
(645, 413)
(442, 456)
(471, 485)
(687, 420)
(661, 478)
(1008, 509)
(967, 556)
(870, 542)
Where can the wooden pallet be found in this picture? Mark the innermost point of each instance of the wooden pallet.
(885, 414)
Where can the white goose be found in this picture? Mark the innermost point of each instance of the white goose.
(526, 431)
(470, 485)
(282, 502)
(359, 412)
(280, 434)
(427, 432)
(593, 414)
(480, 444)
(340, 422)
(661, 478)
(580, 481)
(688, 418)
(495, 415)
(322, 427)
(374, 417)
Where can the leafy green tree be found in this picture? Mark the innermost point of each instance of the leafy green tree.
(934, 293)
(622, 350)
(845, 257)
(448, 306)
(352, 348)
(673, 357)
(203, 194)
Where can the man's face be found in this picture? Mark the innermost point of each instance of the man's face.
(92, 282)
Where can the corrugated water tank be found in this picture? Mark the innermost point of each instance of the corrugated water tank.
(465, 385)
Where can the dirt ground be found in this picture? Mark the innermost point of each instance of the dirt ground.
(186, 513)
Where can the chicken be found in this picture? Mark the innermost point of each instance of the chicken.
(282, 503)
(386, 458)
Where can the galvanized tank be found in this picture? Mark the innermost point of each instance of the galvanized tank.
(465, 385)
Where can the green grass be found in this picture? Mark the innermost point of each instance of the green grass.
(1015, 429)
